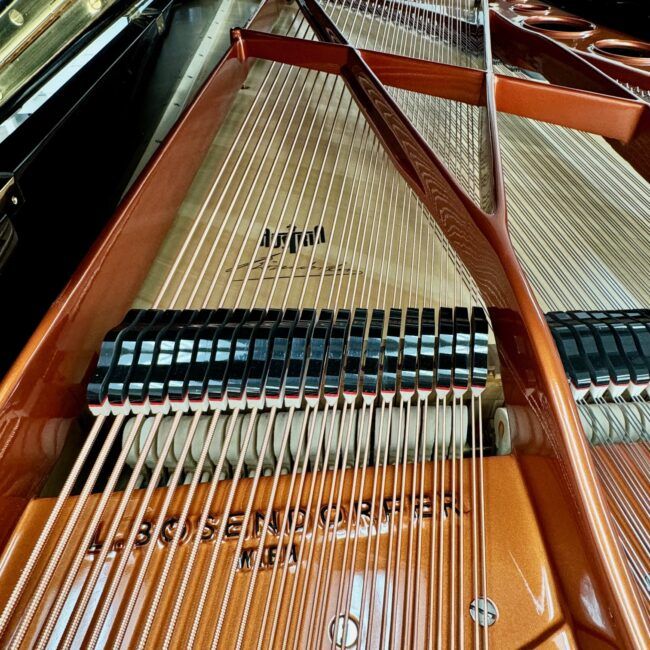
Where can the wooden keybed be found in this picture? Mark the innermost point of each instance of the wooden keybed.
(566, 521)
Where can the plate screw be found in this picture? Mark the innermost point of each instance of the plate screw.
(485, 610)
(344, 638)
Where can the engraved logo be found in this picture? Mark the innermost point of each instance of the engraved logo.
(294, 238)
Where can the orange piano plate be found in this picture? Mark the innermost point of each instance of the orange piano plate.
(520, 580)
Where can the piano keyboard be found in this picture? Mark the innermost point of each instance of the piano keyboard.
(159, 360)
(604, 351)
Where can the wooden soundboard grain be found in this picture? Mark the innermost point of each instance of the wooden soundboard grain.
(381, 249)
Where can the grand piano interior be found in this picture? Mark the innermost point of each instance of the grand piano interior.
(362, 359)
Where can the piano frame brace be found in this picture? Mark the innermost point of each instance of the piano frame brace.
(601, 114)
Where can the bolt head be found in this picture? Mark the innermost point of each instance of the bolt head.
(483, 610)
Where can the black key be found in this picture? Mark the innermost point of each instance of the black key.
(180, 352)
(196, 380)
(411, 350)
(619, 372)
(568, 345)
(129, 350)
(479, 348)
(391, 352)
(241, 354)
(355, 352)
(318, 354)
(108, 354)
(261, 354)
(373, 359)
(278, 364)
(147, 357)
(427, 350)
(222, 353)
(462, 334)
(302, 334)
(444, 356)
(336, 353)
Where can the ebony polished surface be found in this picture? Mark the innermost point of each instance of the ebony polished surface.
(629, 16)
(75, 167)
